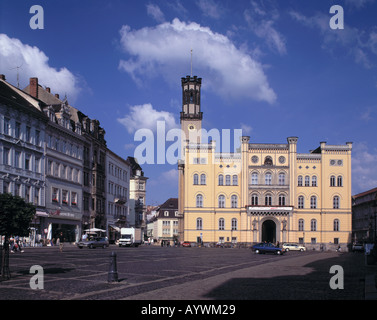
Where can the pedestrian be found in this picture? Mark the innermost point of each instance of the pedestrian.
(11, 244)
(61, 242)
(19, 245)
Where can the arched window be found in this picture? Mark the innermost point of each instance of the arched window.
(332, 181)
(234, 224)
(336, 202)
(254, 200)
(221, 201)
(254, 178)
(301, 225)
(299, 181)
(202, 178)
(281, 179)
(199, 201)
(268, 200)
(268, 161)
(221, 180)
(221, 224)
(235, 180)
(340, 181)
(227, 180)
(199, 224)
(234, 201)
(196, 179)
(268, 178)
(313, 202)
(336, 224)
(281, 200)
(313, 225)
(307, 181)
(314, 181)
(301, 202)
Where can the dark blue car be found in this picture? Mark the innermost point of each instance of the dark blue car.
(267, 248)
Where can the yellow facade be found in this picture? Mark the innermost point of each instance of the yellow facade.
(264, 192)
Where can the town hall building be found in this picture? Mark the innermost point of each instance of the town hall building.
(263, 192)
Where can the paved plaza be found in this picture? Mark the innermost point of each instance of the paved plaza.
(162, 273)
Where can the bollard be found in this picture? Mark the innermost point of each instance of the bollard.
(113, 273)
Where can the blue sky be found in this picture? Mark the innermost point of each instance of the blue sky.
(273, 68)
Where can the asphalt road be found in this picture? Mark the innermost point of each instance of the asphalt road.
(155, 273)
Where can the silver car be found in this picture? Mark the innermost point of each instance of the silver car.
(293, 247)
(94, 243)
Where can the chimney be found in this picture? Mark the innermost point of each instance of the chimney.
(2, 77)
(34, 87)
(48, 89)
(57, 95)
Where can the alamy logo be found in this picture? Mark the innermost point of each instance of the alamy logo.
(36, 21)
(337, 280)
(37, 280)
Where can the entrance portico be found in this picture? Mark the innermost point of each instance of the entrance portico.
(269, 224)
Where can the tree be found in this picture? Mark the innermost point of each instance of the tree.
(15, 218)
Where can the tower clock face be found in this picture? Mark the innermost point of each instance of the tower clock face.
(191, 127)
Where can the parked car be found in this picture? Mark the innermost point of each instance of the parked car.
(267, 248)
(186, 244)
(358, 246)
(93, 243)
(293, 247)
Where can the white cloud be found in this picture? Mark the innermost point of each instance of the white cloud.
(246, 129)
(364, 173)
(155, 12)
(146, 117)
(262, 24)
(358, 4)
(209, 8)
(164, 51)
(34, 63)
(359, 44)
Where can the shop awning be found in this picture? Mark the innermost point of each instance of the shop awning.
(41, 214)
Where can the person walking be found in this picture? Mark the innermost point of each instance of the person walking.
(61, 242)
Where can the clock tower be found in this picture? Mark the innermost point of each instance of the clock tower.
(191, 116)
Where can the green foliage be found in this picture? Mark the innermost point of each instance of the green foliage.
(15, 215)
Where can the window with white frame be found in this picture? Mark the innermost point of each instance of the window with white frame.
(203, 179)
(65, 196)
(301, 202)
(199, 201)
(268, 178)
(74, 199)
(199, 224)
(281, 179)
(313, 202)
(254, 200)
(221, 224)
(336, 224)
(221, 201)
(254, 178)
(299, 181)
(313, 225)
(336, 202)
(234, 201)
(301, 225)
